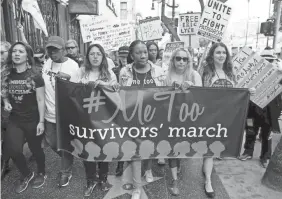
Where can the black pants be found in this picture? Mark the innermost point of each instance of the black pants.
(90, 170)
(14, 139)
(266, 142)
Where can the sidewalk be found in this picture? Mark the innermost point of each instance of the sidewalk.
(242, 179)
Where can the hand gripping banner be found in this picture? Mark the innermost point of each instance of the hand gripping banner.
(102, 125)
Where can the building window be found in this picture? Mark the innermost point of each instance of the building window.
(123, 10)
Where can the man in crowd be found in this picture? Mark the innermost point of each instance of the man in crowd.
(73, 52)
(40, 58)
(122, 59)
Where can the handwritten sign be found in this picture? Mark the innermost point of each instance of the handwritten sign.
(151, 29)
(110, 35)
(239, 59)
(214, 20)
(169, 48)
(188, 23)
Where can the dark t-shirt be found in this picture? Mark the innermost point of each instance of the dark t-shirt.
(143, 79)
(22, 95)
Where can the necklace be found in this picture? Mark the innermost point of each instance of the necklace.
(225, 84)
(145, 78)
(53, 74)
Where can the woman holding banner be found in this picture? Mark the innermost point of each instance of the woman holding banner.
(95, 71)
(23, 95)
(140, 73)
(182, 75)
(217, 73)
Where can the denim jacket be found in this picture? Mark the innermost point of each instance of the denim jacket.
(126, 75)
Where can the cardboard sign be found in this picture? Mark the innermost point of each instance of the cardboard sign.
(169, 48)
(240, 58)
(214, 20)
(110, 34)
(188, 23)
(151, 29)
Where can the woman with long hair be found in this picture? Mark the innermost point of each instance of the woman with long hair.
(23, 93)
(218, 72)
(180, 74)
(153, 51)
(140, 73)
(95, 71)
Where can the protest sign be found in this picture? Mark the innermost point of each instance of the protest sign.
(98, 124)
(214, 20)
(240, 59)
(151, 29)
(169, 48)
(188, 23)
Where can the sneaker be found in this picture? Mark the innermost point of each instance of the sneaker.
(91, 184)
(105, 185)
(149, 176)
(63, 179)
(161, 161)
(264, 162)
(245, 157)
(38, 181)
(23, 183)
(174, 188)
(136, 194)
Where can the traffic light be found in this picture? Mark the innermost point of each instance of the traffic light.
(267, 28)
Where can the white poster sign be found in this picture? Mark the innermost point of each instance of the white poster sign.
(151, 29)
(188, 23)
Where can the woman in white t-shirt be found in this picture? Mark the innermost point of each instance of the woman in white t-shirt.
(181, 74)
(96, 71)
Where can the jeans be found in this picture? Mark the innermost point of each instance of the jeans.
(14, 139)
(51, 139)
(90, 170)
(136, 173)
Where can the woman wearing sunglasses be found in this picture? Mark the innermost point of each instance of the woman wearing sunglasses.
(180, 74)
(95, 71)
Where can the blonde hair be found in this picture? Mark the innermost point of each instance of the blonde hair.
(171, 68)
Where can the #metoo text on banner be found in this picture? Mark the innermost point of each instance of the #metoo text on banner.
(98, 124)
(214, 20)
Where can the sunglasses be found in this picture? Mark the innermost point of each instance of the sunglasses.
(185, 59)
(72, 47)
(2, 52)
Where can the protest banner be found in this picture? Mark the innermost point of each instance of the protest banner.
(151, 29)
(188, 23)
(169, 48)
(214, 20)
(111, 35)
(98, 124)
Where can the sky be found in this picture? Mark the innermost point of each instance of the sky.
(258, 8)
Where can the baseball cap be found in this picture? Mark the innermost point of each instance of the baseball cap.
(124, 50)
(56, 42)
(39, 52)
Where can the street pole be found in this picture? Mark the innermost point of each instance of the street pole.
(277, 23)
(246, 40)
(257, 34)
(173, 6)
(163, 9)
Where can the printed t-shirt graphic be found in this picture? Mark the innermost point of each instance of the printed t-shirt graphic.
(143, 79)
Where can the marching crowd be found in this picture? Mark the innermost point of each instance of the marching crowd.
(28, 103)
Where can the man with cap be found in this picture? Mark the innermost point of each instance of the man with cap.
(122, 59)
(39, 58)
(260, 118)
(62, 67)
(73, 52)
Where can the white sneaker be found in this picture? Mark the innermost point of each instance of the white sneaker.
(136, 194)
(149, 176)
(161, 161)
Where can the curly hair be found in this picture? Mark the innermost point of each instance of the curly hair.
(10, 67)
(103, 69)
(209, 68)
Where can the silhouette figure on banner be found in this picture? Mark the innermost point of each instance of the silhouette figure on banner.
(111, 150)
(93, 150)
(200, 148)
(78, 147)
(180, 149)
(146, 149)
(163, 148)
(128, 149)
(217, 148)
